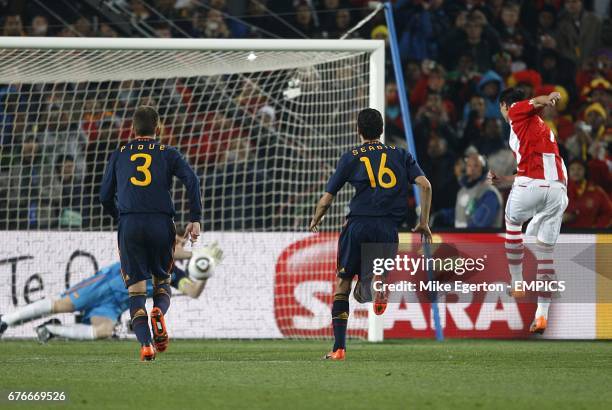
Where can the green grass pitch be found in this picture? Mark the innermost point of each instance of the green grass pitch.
(420, 374)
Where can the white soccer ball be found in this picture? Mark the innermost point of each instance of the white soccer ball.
(203, 261)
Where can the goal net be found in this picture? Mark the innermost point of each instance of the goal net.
(262, 122)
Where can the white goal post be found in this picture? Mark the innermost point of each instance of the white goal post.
(263, 121)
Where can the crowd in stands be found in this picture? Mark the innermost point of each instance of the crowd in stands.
(457, 57)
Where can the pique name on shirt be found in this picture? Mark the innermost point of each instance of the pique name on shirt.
(140, 147)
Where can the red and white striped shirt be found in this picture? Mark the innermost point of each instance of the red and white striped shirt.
(534, 144)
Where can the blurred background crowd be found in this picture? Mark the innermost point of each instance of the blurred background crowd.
(457, 57)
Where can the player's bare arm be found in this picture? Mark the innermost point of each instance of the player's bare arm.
(423, 225)
(320, 211)
(546, 100)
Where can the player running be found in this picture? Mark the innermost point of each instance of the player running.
(102, 298)
(538, 192)
(381, 175)
(139, 177)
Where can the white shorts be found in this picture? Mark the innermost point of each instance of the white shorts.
(541, 201)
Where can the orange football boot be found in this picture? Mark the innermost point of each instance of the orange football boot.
(538, 325)
(160, 334)
(147, 353)
(339, 354)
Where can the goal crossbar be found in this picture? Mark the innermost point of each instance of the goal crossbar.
(98, 43)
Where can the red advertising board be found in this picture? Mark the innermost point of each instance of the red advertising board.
(305, 274)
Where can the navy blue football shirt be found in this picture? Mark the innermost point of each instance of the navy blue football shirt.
(140, 174)
(381, 175)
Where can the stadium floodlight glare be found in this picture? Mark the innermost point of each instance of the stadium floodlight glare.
(263, 121)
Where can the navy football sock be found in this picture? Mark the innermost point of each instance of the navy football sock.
(340, 314)
(161, 297)
(140, 319)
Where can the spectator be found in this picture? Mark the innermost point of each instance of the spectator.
(474, 43)
(599, 166)
(258, 18)
(448, 41)
(20, 184)
(217, 135)
(412, 74)
(432, 120)
(578, 144)
(237, 28)
(547, 21)
(163, 30)
(589, 205)
(419, 40)
(62, 135)
(13, 26)
(213, 25)
(556, 69)
(443, 182)
(170, 12)
(491, 140)
(494, 9)
(472, 123)
(83, 27)
(168, 9)
(479, 204)
(489, 87)
(599, 91)
(328, 15)
(10, 102)
(503, 65)
(394, 127)
(342, 24)
(380, 32)
(579, 34)
(463, 80)
(61, 200)
(140, 12)
(596, 116)
(39, 26)
(526, 80)
(102, 143)
(433, 81)
(433, 109)
(107, 31)
(515, 40)
(303, 22)
(68, 31)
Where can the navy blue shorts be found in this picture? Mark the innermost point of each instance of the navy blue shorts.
(358, 231)
(146, 247)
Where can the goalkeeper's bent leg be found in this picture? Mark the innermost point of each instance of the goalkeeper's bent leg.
(29, 312)
(77, 332)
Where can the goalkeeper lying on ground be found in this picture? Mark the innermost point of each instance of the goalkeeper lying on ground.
(102, 299)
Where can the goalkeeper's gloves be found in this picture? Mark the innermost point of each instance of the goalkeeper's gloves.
(204, 260)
